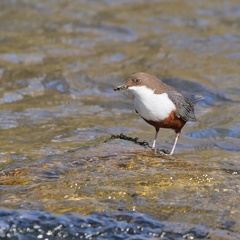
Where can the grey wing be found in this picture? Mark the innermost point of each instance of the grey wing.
(185, 108)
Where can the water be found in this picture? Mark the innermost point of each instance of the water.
(59, 63)
(36, 225)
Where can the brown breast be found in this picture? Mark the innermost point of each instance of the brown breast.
(172, 121)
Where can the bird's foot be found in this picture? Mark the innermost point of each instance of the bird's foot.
(154, 149)
(164, 152)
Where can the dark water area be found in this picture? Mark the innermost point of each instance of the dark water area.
(59, 169)
(128, 225)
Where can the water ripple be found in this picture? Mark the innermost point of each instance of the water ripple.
(125, 225)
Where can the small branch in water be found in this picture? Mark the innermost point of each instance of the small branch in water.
(124, 137)
(134, 140)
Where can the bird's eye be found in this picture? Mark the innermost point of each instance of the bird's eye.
(137, 80)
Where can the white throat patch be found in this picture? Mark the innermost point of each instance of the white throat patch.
(150, 106)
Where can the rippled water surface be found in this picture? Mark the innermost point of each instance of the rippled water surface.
(59, 63)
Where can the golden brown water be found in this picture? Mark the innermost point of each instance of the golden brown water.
(59, 62)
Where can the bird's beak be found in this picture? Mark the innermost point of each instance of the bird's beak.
(123, 87)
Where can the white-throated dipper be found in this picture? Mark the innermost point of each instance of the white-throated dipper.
(161, 105)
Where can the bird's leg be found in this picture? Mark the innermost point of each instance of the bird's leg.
(175, 142)
(154, 141)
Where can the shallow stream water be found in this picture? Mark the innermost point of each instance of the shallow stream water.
(59, 63)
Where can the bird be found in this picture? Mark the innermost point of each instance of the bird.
(160, 105)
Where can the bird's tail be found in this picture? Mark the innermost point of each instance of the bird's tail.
(196, 98)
